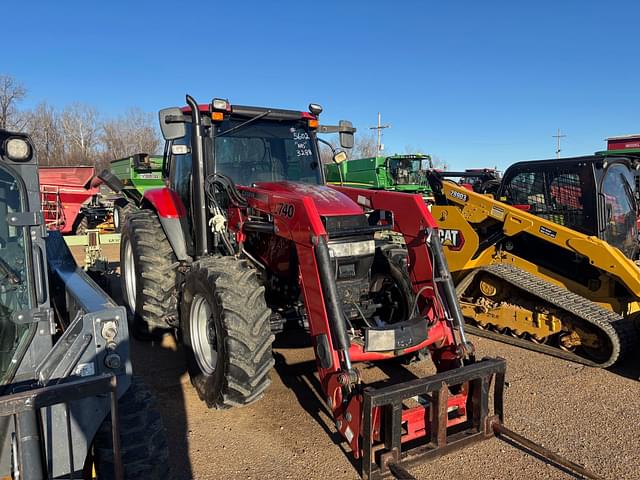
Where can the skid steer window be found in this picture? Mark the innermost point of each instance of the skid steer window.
(267, 151)
(15, 290)
(620, 209)
(553, 194)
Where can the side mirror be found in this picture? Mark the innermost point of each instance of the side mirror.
(339, 157)
(346, 130)
(172, 123)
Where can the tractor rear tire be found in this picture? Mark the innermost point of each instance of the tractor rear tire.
(120, 214)
(143, 441)
(148, 275)
(226, 332)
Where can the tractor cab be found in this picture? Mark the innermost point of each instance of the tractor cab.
(592, 195)
(247, 144)
(408, 169)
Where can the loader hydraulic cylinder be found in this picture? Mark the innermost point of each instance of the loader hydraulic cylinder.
(331, 298)
(29, 446)
(446, 283)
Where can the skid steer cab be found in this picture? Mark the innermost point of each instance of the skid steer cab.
(595, 195)
(246, 240)
(65, 372)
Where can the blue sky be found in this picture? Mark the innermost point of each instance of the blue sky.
(474, 83)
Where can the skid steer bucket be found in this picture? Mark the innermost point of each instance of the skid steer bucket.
(452, 412)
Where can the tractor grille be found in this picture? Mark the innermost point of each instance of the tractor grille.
(348, 226)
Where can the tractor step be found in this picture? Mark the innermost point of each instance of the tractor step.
(396, 435)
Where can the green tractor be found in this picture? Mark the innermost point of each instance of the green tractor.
(402, 173)
(138, 173)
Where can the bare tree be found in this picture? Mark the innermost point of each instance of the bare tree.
(436, 161)
(11, 93)
(45, 127)
(134, 132)
(81, 127)
(439, 163)
(365, 145)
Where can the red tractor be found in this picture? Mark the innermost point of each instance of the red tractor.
(246, 240)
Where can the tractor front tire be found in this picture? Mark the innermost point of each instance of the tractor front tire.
(148, 274)
(226, 332)
(143, 441)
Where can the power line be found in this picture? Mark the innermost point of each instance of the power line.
(379, 128)
(557, 136)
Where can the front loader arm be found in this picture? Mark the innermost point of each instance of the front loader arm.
(476, 208)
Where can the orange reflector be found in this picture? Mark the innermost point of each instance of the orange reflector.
(313, 123)
(217, 116)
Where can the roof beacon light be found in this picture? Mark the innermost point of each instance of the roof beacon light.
(220, 104)
(17, 149)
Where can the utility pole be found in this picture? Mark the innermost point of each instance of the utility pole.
(557, 136)
(379, 129)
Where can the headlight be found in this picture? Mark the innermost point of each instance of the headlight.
(17, 149)
(353, 249)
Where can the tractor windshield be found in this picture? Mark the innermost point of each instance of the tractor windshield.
(15, 291)
(267, 151)
(405, 171)
(620, 208)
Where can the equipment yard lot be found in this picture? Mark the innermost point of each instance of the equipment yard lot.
(590, 416)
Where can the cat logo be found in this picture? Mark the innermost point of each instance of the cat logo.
(452, 239)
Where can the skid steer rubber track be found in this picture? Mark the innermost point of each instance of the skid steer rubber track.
(620, 331)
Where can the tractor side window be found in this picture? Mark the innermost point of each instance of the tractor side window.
(180, 176)
(619, 208)
(16, 293)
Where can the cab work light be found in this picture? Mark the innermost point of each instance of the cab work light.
(220, 104)
(17, 149)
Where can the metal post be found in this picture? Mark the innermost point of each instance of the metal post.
(30, 455)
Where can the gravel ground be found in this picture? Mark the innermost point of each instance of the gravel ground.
(590, 416)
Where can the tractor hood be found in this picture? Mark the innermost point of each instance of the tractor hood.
(327, 200)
